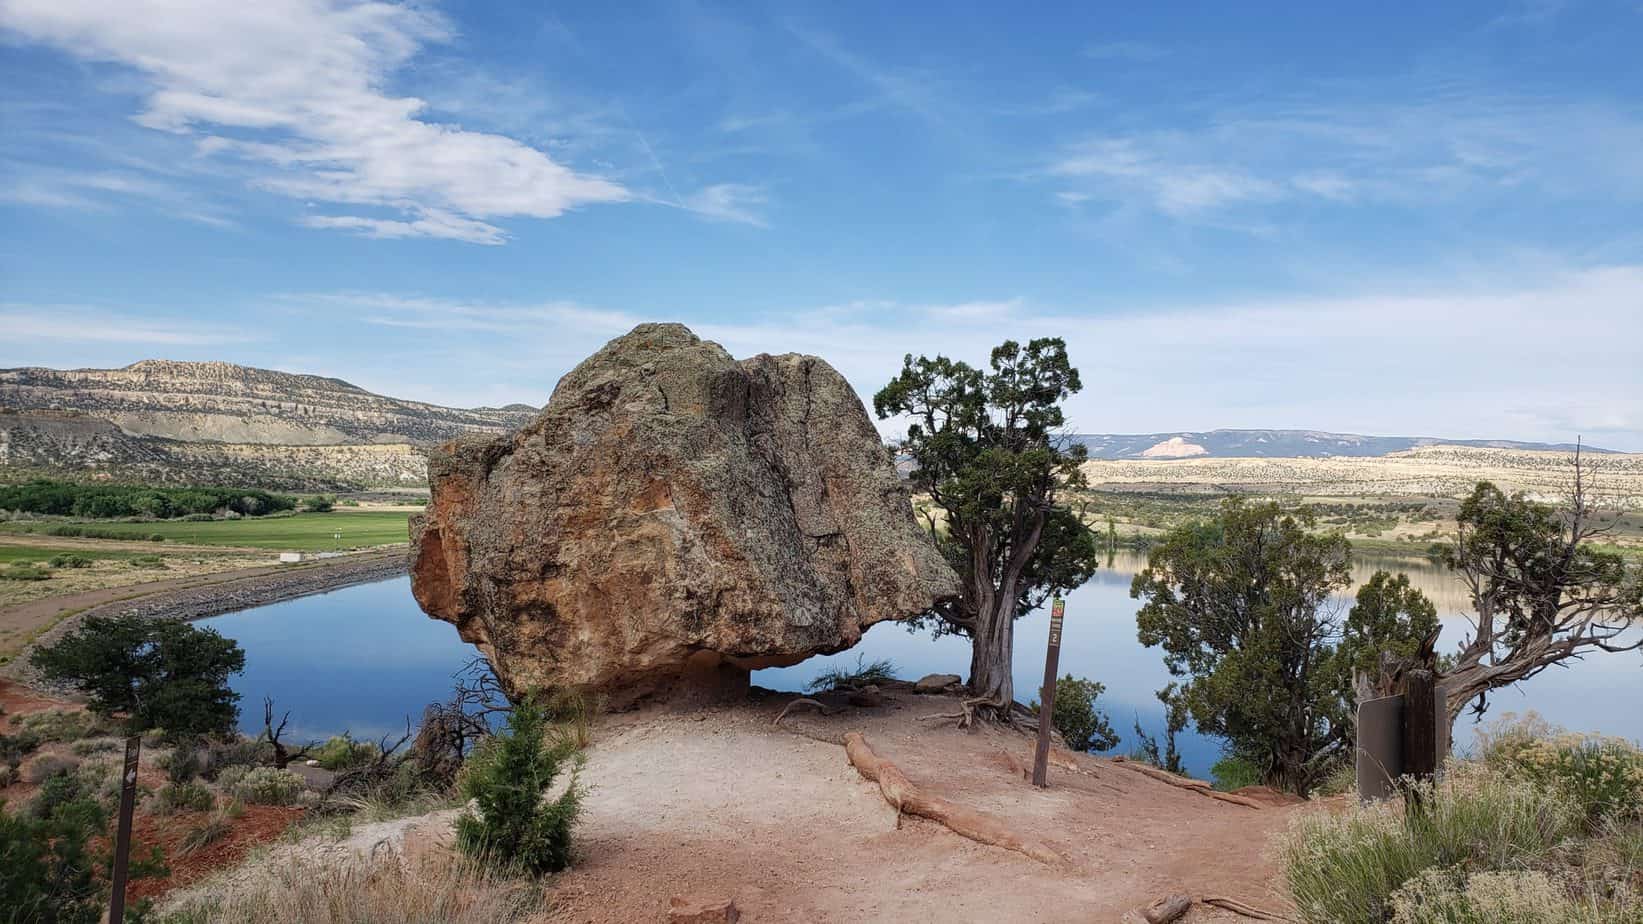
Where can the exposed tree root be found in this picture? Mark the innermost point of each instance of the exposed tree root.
(1171, 907)
(1198, 786)
(1162, 911)
(801, 701)
(900, 792)
(1237, 907)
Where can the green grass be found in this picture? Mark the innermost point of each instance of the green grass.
(304, 531)
(41, 555)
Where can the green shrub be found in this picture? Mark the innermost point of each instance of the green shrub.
(182, 797)
(268, 786)
(69, 560)
(241, 753)
(64, 725)
(230, 777)
(22, 572)
(508, 777)
(1604, 775)
(146, 561)
(15, 747)
(1234, 772)
(109, 501)
(42, 767)
(49, 873)
(1081, 724)
(1448, 896)
(1345, 869)
(865, 673)
(183, 764)
(342, 753)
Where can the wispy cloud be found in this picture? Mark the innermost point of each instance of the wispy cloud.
(1124, 51)
(732, 202)
(72, 324)
(298, 87)
(1445, 145)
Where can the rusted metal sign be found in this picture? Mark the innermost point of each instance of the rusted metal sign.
(1052, 659)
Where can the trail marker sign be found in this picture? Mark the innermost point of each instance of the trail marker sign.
(1046, 696)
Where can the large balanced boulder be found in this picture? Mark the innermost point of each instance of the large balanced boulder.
(673, 519)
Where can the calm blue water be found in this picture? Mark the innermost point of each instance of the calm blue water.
(365, 658)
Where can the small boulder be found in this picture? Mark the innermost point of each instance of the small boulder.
(695, 909)
(936, 683)
(867, 697)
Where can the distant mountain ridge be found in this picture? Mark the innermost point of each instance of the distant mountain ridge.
(1263, 444)
(226, 403)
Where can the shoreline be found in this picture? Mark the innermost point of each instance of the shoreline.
(206, 599)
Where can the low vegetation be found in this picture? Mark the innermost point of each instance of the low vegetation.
(513, 826)
(1075, 716)
(1542, 827)
(315, 892)
(307, 531)
(863, 674)
(106, 501)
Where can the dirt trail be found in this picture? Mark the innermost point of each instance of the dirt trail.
(722, 804)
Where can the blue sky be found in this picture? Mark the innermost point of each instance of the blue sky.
(1403, 219)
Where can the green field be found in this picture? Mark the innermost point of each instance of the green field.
(40, 554)
(302, 532)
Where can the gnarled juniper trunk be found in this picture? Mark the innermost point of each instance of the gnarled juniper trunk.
(991, 652)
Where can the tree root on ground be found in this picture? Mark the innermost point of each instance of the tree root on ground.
(1172, 907)
(801, 701)
(900, 792)
(1198, 786)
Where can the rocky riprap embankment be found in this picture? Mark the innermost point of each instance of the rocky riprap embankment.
(673, 513)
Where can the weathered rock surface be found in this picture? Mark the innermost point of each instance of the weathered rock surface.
(936, 683)
(672, 513)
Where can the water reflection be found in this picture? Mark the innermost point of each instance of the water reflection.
(365, 658)
(1598, 694)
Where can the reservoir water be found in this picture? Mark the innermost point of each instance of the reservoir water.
(363, 659)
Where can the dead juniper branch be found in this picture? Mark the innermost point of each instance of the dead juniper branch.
(271, 733)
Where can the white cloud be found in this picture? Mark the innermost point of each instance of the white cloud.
(729, 202)
(1438, 145)
(67, 324)
(300, 85)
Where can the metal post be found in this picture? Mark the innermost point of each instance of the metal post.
(122, 837)
(1052, 658)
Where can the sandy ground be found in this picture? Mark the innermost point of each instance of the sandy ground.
(722, 804)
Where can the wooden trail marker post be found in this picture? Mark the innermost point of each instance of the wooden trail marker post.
(1052, 660)
(122, 836)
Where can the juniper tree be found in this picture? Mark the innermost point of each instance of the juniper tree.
(988, 451)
